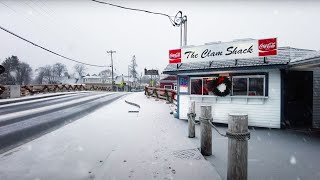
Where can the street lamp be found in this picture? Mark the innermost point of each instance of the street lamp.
(180, 20)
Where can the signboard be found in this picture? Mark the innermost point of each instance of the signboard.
(183, 85)
(151, 72)
(2, 69)
(175, 56)
(224, 51)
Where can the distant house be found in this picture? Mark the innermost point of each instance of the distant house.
(169, 82)
(127, 81)
(94, 79)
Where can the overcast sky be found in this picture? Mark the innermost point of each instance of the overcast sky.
(85, 30)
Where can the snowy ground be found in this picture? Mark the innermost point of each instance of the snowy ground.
(112, 144)
(273, 154)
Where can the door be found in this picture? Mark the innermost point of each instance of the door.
(298, 96)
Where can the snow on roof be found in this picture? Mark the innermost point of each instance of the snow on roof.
(169, 78)
(313, 55)
(92, 77)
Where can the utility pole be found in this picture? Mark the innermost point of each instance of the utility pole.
(111, 52)
(128, 76)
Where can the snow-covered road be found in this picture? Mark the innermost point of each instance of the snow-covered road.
(23, 121)
(112, 143)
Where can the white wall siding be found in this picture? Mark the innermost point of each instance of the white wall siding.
(261, 112)
(184, 101)
(316, 98)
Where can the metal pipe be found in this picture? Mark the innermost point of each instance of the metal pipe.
(185, 30)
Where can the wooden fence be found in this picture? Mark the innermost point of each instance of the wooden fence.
(46, 88)
(160, 93)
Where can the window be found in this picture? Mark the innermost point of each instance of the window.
(202, 86)
(248, 86)
(256, 87)
(196, 86)
(240, 86)
(207, 86)
(167, 86)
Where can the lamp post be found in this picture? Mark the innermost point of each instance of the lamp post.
(180, 20)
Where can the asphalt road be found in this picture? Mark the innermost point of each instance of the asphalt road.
(21, 122)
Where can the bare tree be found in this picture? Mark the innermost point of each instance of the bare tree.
(133, 68)
(80, 69)
(24, 72)
(59, 69)
(39, 78)
(48, 75)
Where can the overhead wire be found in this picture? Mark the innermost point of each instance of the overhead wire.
(173, 22)
(44, 28)
(51, 14)
(57, 54)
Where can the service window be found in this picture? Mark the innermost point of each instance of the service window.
(196, 86)
(248, 85)
(256, 87)
(240, 86)
(207, 86)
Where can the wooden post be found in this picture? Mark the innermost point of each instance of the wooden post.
(237, 149)
(191, 125)
(206, 131)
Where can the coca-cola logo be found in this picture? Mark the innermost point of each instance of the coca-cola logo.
(175, 53)
(175, 56)
(267, 47)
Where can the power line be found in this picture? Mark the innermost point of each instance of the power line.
(6, 30)
(173, 21)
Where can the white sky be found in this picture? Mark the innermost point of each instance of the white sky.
(85, 30)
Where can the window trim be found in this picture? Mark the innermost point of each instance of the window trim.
(247, 77)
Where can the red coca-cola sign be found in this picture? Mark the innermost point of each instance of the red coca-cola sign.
(267, 47)
(175, 56)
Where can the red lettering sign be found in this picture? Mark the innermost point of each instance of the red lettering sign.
(175, 56)
(267, 47)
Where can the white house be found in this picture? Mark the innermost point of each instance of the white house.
(95, 79)
(279, 91)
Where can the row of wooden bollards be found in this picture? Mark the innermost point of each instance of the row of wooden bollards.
(237, 134)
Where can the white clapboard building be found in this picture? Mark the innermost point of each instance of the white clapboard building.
(280, 91)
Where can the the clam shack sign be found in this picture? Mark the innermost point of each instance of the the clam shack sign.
(224, 51)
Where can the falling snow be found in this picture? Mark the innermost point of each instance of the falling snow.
(293, 160)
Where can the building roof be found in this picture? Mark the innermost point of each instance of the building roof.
(92, 77)
(285, 55)
(169, 79)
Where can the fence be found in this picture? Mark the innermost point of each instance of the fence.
(160, 93)
(46, 88)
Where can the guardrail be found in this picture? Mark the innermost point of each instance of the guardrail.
(26, 90)
(160, 93)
